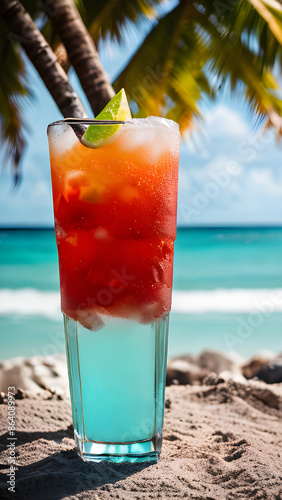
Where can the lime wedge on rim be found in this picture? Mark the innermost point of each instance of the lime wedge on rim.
(96, 136)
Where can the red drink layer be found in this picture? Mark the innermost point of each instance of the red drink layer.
(115, 217)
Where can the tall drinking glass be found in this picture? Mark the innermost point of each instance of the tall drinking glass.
(115, 221)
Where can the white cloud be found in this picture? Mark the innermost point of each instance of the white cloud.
(254, 194)
(222, 121)
(264, 180)
(249, 195)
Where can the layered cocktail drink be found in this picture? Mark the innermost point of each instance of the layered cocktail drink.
(115, 220)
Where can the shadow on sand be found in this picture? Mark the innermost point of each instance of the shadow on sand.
(62, 474)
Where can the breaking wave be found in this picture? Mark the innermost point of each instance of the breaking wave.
(31, 302)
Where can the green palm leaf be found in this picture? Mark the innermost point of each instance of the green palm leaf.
(13, 91)
(239, 57)
(206, 44)
(166, 75)
(113, 17)
(271, 12)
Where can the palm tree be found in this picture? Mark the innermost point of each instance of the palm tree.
(19, 29)
(83, 56)
(194, 49)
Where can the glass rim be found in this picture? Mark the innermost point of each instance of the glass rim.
(86, 121)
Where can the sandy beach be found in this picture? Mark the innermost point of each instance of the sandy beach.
(140, 194)
(221, 441)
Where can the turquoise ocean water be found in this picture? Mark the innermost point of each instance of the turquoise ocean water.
(227, 292)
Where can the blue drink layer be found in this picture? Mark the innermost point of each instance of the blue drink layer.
(117, 379)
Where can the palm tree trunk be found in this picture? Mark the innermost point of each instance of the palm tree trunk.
(82, 52)
(25, 32)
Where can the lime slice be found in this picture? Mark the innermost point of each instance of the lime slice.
(97, 136)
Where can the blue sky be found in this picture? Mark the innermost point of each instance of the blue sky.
(230, 171)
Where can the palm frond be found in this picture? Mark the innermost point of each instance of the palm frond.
(194, 46)
(113, 17)
(243, 22)
(171, 80)
(13, 91)
(271, 12)
(241, 69)
(236, 63)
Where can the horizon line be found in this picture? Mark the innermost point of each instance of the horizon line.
(207, 226)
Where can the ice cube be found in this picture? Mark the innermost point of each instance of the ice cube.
(151, 312)
(61, 138)
(89, 319)
(158, 272)
(76, 179)
(60, 232)
(128, 193)
(156, 135)
(101, 234)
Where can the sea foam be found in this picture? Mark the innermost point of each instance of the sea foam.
(30, 302)
(238, 300)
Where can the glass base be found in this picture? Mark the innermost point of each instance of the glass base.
(140, 451)
(117, 382)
